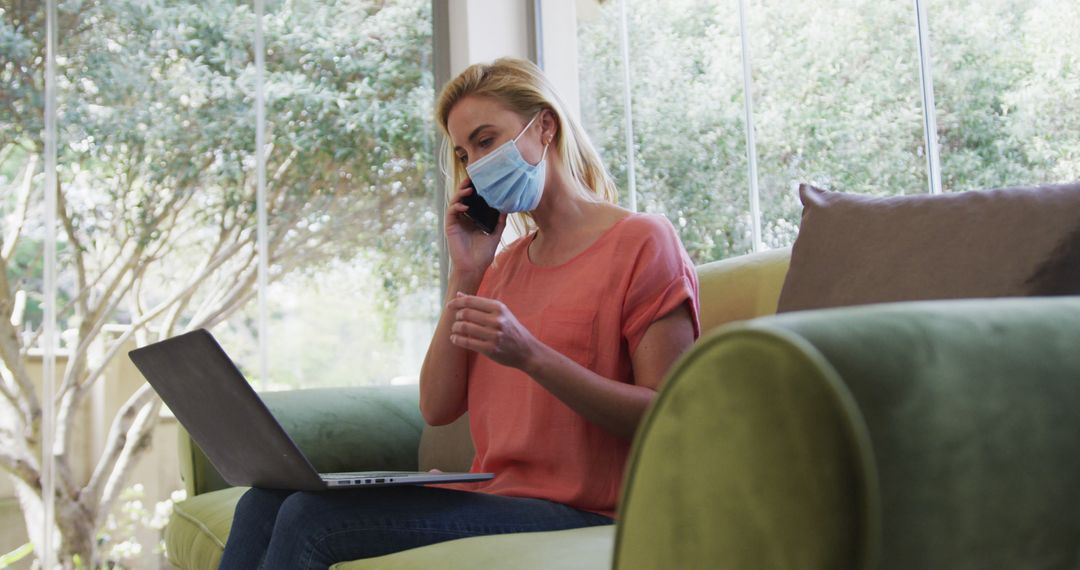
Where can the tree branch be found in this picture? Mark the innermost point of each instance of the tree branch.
(99, 316)
(20, 465)
(173, 317)
(116, 442)
(272, 185)
(229, 301)
(160, 308)
(106, 484)
(11, 354)
(143, 431)
(77, 249)
(25, 190)
(8, 387)
(78, 298)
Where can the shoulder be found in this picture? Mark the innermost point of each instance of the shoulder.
(653, 230)
(649, 223)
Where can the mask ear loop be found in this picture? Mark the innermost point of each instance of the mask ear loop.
(529, 124)
(531, 121)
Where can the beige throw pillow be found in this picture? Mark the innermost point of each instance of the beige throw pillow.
(854, 250)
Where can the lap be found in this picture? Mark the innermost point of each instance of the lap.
(331, 526)
(421, 507)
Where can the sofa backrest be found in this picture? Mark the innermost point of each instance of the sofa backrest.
(741, 288)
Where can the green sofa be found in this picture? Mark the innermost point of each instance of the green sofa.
(940, 434)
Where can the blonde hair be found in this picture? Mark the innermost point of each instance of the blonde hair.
(523, 88)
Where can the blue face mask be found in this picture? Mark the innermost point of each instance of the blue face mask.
(506, 181)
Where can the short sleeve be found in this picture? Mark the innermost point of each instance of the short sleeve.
(662, 279)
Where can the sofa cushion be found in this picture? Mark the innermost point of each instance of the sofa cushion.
(854, 250)
(199, 526)
(579, 548)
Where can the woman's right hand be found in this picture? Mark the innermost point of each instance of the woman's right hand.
(470, 249)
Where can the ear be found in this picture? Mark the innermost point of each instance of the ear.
(549, 125)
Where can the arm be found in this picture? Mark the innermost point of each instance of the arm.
(488, 327)
(443, 376)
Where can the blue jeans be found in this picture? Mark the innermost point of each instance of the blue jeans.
(304, 530)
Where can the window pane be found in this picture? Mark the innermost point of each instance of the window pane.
(1007, 84)
(837, 102)
(354, 257)
(687, 101)
(156, 173)
(22, 227)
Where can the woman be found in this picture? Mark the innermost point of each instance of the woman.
(556, 346)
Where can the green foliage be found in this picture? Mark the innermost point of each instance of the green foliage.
(836, 102)
(687, 107)
(157, 166)
(156, 113)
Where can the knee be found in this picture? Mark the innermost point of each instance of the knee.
(299, 511)
(260, 504)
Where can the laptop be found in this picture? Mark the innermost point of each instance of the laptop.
(221, 411)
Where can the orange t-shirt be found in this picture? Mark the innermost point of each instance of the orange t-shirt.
(594, 309)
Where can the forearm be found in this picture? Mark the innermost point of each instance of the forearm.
(616, 407)
(443, 375)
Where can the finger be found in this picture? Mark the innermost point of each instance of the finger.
(464, 301)
(484, 304)
(479, 318)
(463, 312)
(469, 343)
(457, 199)
(474, 330)
(463, 193)
(463, 189)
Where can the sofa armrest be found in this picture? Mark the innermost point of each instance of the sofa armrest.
(740, 288)
(912, 435)
(339, 429)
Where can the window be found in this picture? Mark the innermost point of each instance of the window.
(353, 296)
(837, 102)
(687, 106)
(156, 229)
(1007, 84)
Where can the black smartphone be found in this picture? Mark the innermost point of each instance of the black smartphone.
(484, 216)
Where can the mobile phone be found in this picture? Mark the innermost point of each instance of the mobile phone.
(480, 213)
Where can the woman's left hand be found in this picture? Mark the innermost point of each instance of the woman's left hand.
(488, 327)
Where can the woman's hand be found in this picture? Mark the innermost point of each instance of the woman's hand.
(488, 327)
(470, 249)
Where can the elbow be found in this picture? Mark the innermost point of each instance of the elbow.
(430, 417)
(436, 417)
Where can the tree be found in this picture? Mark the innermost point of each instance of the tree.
(836, 103)
(157, 182)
